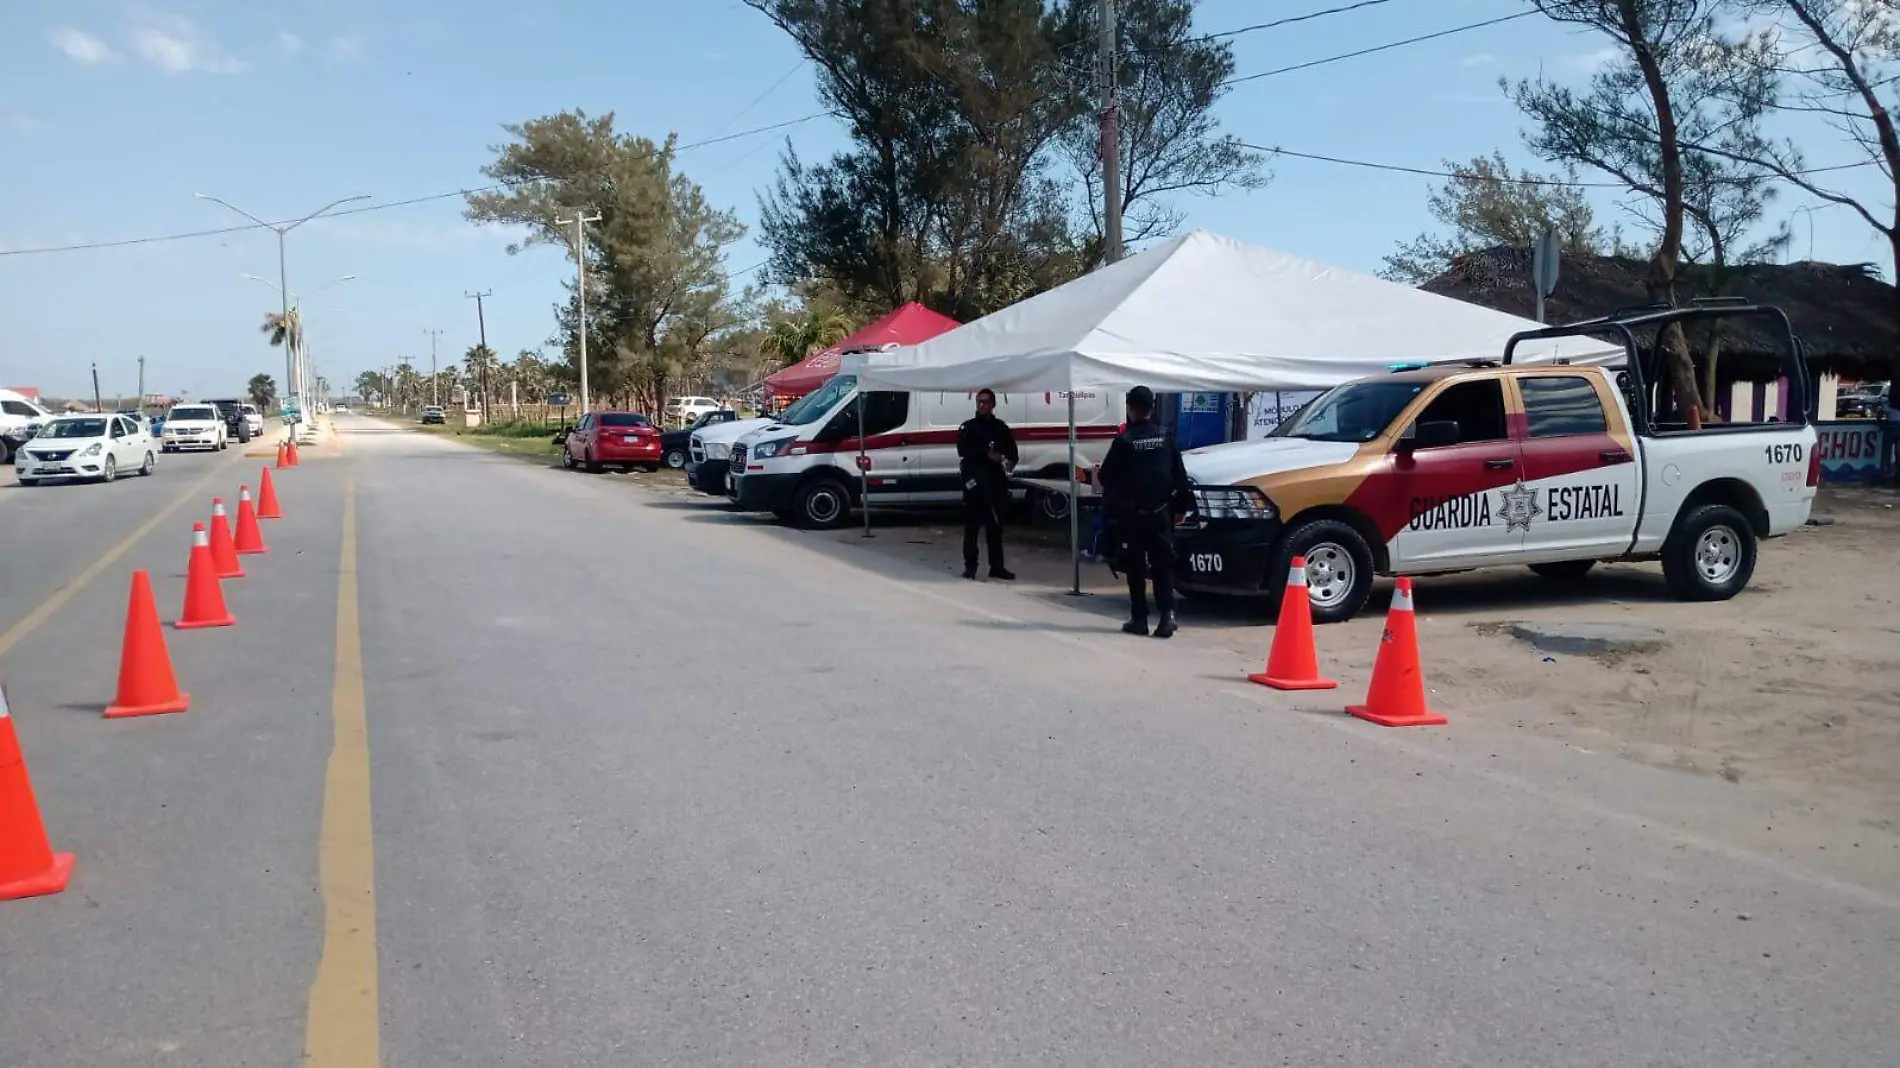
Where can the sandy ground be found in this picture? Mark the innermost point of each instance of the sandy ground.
(1793, 687)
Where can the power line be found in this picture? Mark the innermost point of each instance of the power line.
(386, 206)
(1291, 19)
(1470, 177)
(744, 111)
(1377, 48)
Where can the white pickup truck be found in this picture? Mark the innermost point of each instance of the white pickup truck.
(1446, 468)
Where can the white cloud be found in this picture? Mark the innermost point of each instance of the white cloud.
(1591, 62)
(1481, 59)
(346, 47)
(175, 46)
(289, 42)
(81, 47)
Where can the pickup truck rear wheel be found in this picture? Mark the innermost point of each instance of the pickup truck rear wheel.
(1710, 555)
(1338, 567)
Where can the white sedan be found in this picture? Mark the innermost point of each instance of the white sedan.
(194, 426)
(86, 446)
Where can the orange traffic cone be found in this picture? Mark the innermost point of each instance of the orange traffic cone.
(204, 598)
(147, 686)
(267, 497)
(1292, 660)
(247, 539)
(1396, 697)
(283, 455)
(223, 550)
(28, 865)
(291, 449)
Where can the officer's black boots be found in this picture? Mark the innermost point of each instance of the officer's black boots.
(1166, 628)
(1001, 574)
(1138, 625)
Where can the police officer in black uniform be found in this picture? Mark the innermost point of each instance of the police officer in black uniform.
(986, 452)
(1144, 487)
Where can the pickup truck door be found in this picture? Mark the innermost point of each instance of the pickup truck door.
(1460, 508)
(1581, 459)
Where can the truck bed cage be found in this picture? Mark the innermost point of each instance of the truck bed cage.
(1653, 319)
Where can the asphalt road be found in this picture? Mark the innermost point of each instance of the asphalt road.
(656, 785)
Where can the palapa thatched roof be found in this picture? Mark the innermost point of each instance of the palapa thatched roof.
(1848, 318)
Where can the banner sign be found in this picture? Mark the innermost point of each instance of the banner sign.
(1850, 450)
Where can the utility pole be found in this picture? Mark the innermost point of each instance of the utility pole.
(481, 324)
(580, 222)
(1111, 138)
(98, 405)
(435, 378)
(141, 383)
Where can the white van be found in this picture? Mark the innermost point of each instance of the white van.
(804, 466)
(18, 411)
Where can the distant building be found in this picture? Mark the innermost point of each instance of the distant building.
(31, 393)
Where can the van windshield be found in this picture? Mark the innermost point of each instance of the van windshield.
(815, 406)
(1357, 411)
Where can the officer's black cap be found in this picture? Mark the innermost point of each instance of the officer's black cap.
(1141, 398)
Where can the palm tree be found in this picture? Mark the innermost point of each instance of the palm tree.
(794, 339)
(406, 384)
(481, 362)
(284, 327)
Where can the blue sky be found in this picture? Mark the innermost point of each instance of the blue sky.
(112, 115)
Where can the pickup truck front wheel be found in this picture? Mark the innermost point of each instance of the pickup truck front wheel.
(1710, 555)
(1338, 567)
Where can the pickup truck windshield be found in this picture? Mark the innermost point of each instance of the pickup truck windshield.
(1357, 411)
(199, 412)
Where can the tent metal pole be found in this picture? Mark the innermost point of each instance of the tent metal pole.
(1075, 505)
(864, 471)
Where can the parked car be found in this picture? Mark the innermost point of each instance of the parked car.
(1432, 469)
(194, 426)
(622, 439)
(676, 445)
(236, 426)
(86, 446)
(1867, 400)
(682, 410)
(433, 414)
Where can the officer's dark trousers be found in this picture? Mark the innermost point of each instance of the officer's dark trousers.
(979, 513)
(1148, 552)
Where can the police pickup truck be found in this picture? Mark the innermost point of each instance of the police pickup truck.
(1446, 468)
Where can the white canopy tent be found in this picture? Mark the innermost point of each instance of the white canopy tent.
(1206, 313)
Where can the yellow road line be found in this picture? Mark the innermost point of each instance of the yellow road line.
(44, 610)
(342, 1024)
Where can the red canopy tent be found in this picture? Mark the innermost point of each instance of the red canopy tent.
(910, 324)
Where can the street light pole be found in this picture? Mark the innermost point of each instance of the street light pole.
(580, 222)
(283, 272)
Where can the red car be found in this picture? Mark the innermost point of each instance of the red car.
(621, 439)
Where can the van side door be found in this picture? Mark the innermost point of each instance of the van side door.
(1581, 459)
(1464, 503)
